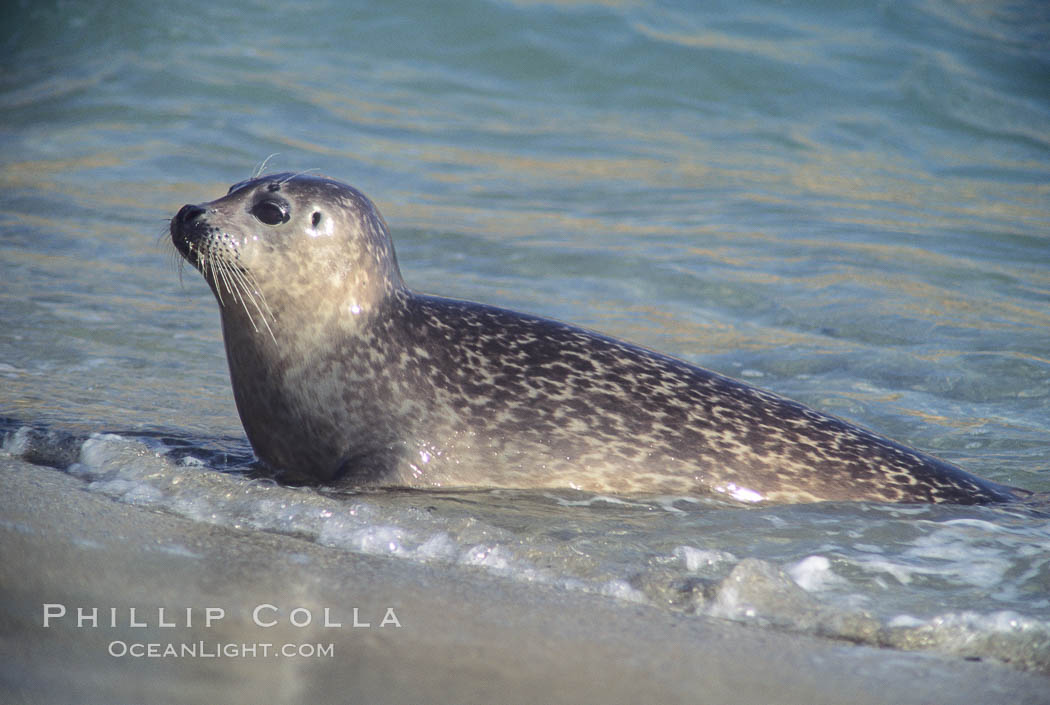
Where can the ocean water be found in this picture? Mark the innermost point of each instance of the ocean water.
(846, 203)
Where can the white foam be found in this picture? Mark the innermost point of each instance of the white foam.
(379, 539)
(813, 573)
(595, 551)
(438, 547)
(492, 557)
(900, 572)
(696, 559)
(592, 501)
(905, 621)
(16, 443)
(622, 590)
(955, 553)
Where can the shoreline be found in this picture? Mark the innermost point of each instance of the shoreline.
(463, 636)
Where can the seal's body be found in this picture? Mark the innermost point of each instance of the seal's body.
(344, 375)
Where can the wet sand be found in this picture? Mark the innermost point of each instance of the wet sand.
(464, 636)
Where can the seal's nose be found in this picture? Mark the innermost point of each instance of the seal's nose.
(188, 213)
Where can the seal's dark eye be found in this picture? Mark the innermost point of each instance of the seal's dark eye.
(316, 219)
(270, 212)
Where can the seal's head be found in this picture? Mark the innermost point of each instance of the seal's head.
(287, 242)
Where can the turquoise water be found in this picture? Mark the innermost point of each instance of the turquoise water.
(847, 203)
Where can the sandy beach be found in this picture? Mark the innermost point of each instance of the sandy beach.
(66, 549)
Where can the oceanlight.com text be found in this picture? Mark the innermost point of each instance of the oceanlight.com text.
(230, 650)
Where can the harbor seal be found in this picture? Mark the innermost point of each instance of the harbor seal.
(343, 375)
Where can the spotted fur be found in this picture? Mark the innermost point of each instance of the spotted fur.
(356, 379)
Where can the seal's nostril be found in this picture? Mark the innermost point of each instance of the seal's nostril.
(189, 213)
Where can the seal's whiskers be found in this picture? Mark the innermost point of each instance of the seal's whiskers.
(247, 290)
